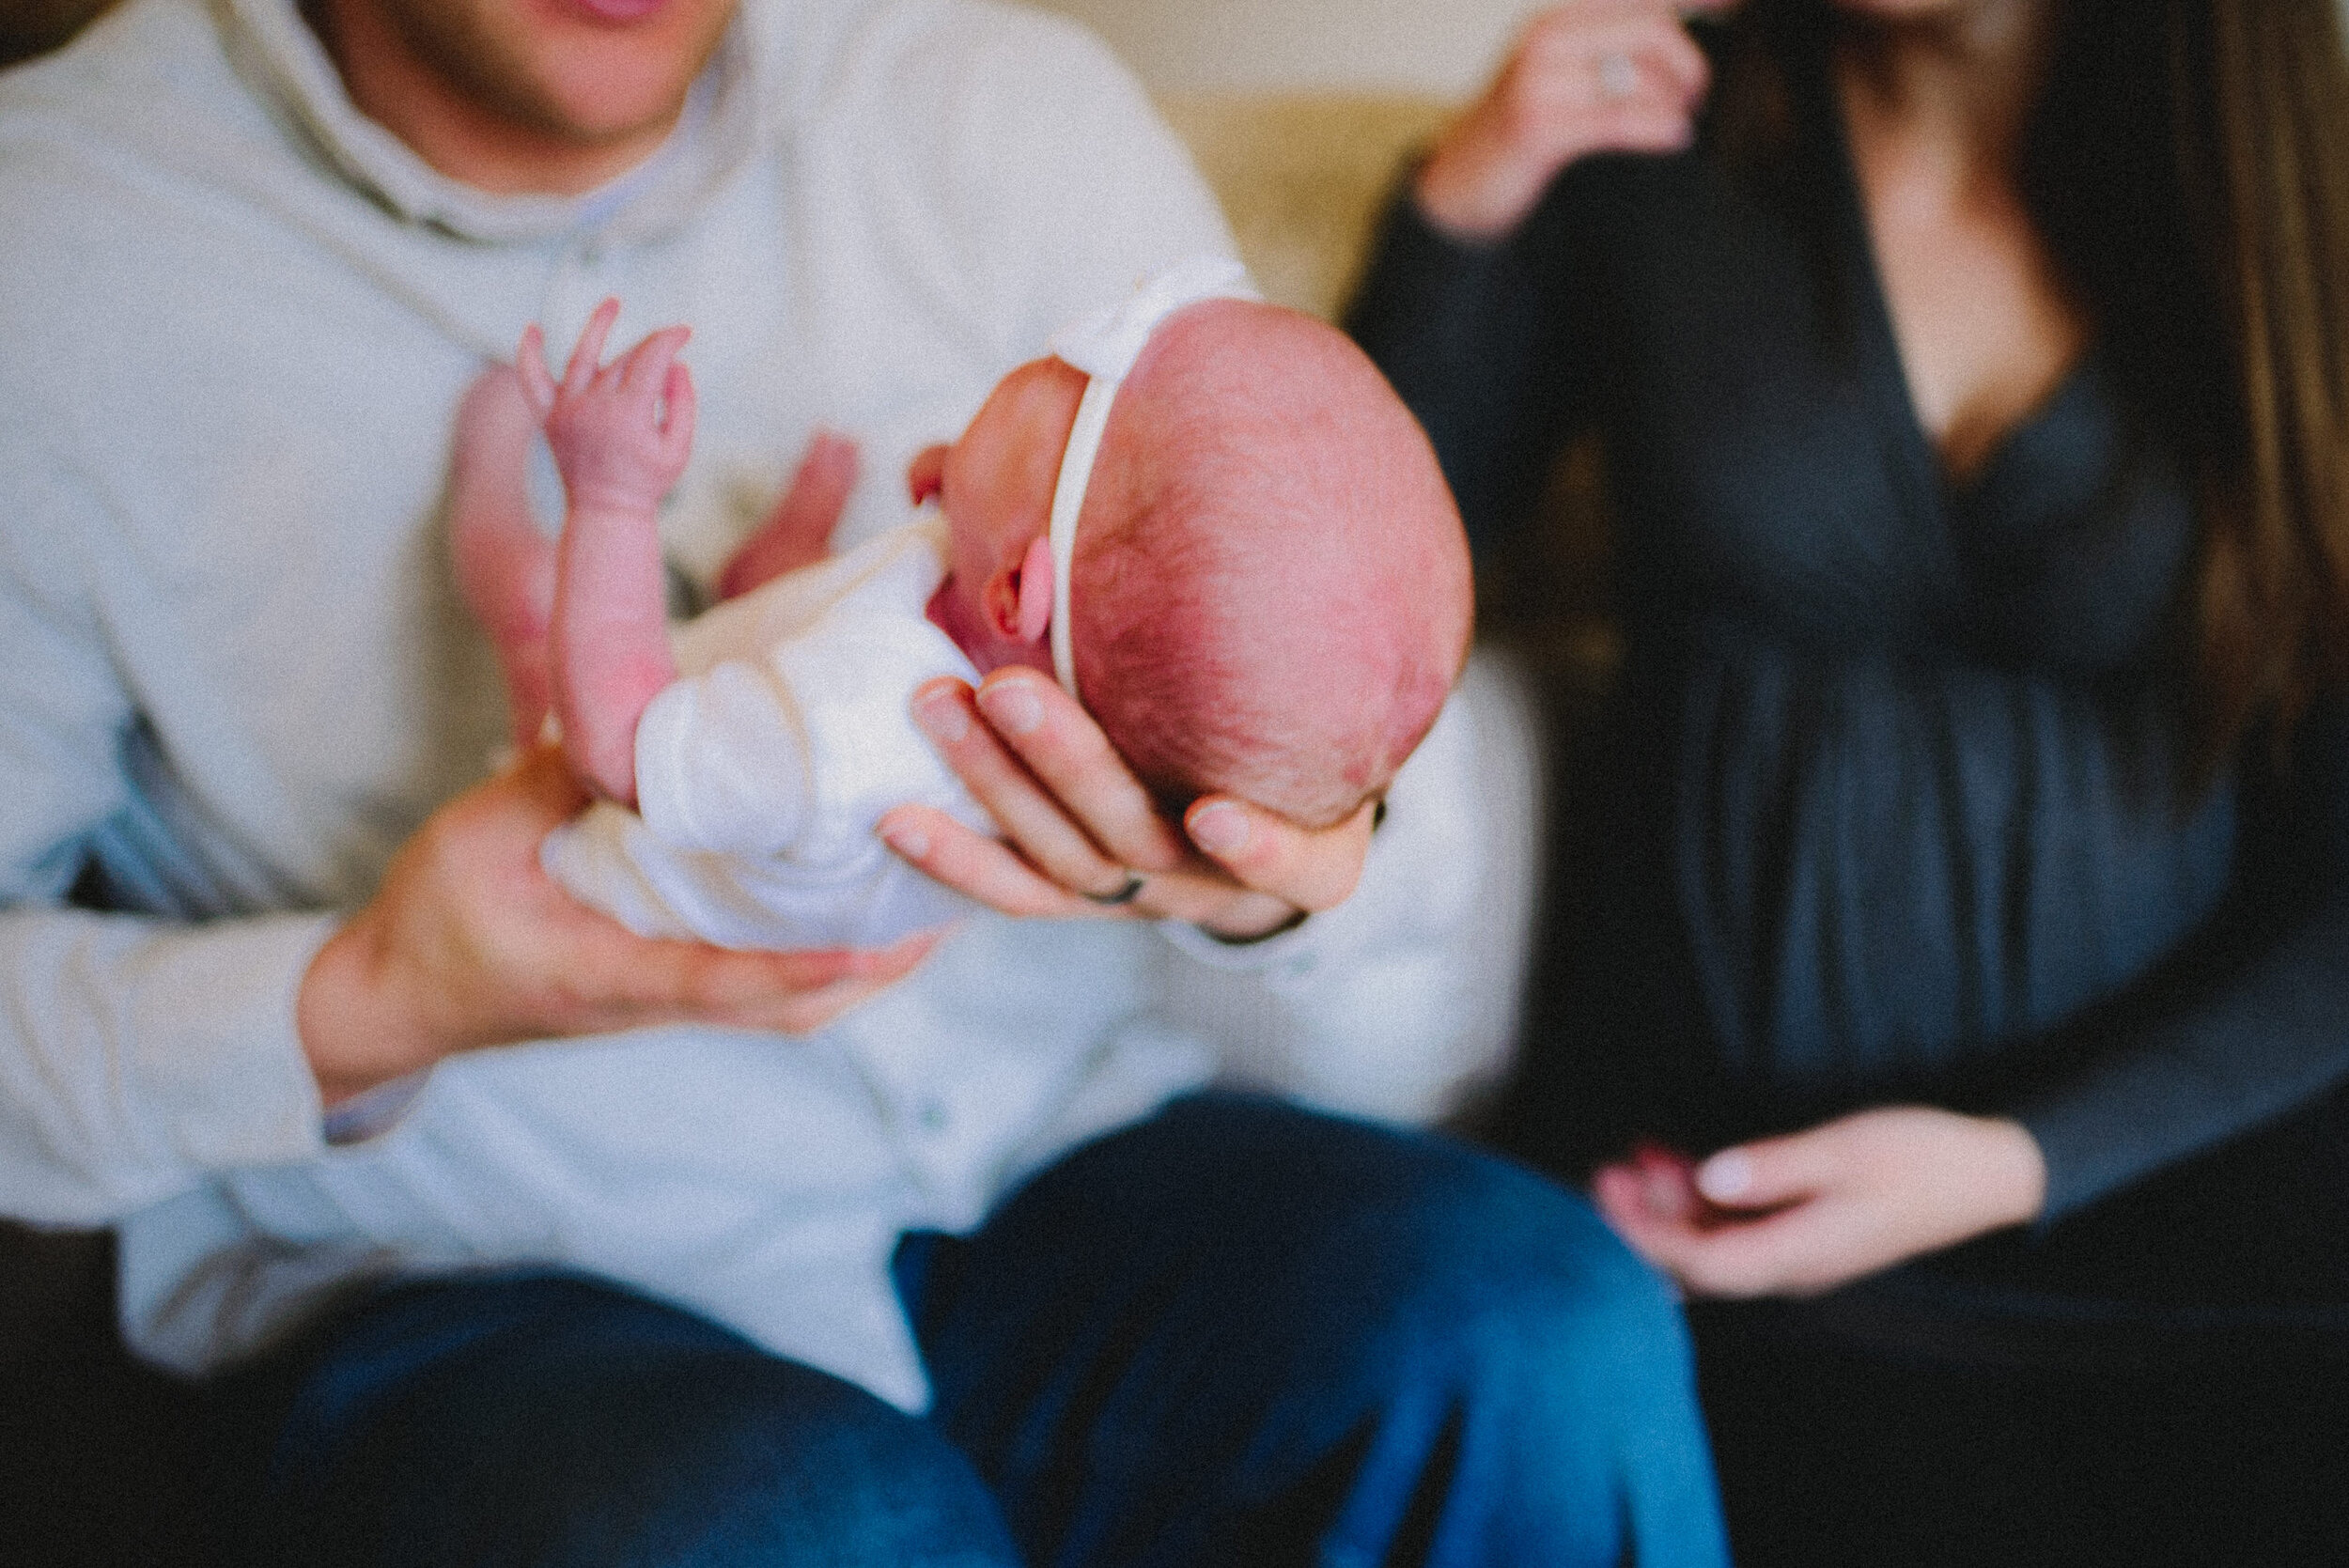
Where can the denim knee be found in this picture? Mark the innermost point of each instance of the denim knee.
(591, 1429)
(1545, 1371)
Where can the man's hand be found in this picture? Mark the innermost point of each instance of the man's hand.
(1802, 1214)
(1084, 838)
(468, 943)
(1586, 76)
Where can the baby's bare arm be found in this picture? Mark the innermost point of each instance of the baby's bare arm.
(620, 434)
(504, 564)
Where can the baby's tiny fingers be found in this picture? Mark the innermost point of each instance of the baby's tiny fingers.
(530, 365)
(588, 354)
(677, 435)
(646, 366)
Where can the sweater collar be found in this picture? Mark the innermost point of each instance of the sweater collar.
(719, 133)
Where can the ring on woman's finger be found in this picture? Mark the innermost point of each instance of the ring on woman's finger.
(1123, 895)
(1617, 76)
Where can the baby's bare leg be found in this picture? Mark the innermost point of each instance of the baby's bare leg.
(799, 531)
(621, 435)
(504, 564)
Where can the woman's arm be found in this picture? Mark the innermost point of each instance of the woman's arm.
(2202, 1052)
(1470, 302)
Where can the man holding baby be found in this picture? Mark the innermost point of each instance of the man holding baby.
(506, 1235)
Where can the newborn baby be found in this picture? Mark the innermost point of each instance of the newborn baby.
(1210, 518)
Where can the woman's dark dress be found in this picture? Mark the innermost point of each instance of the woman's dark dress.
(1890, 805)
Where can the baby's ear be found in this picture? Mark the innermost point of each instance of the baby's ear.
(1020, 598)
(926, 475)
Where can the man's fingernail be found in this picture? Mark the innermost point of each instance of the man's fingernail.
(1012, 707)
(912, 843)
(1220, 828)
(1725, 1177)
(942, 718)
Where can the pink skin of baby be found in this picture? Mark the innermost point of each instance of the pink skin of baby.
(1271, 589)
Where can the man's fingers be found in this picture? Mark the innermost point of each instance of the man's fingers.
(1001, 782)
(1794, 1251)
(1052, 830)
(1066, 752)
(1306, 868)
(551, 791)
(975, 865)
(796, 992)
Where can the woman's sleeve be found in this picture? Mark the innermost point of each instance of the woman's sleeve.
(2217, 1048)
(1489, 346)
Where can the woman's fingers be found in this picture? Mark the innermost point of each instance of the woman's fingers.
(1707, 1255)
(1817, 1208)
(1571, 45)
(1584, 77)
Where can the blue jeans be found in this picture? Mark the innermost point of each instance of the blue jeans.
(1236, 1333)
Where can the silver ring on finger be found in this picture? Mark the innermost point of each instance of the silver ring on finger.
(1618, 78)
(1123, 895)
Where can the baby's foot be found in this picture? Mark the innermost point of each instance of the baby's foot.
(505, 564)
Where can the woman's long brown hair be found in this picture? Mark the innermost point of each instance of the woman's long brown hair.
(2188, 165)
(2263, 95)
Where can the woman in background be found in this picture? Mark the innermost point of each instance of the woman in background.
(1952, 955)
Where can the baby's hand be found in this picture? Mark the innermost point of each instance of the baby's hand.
(620, 432)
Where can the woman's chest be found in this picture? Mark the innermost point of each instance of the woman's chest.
(1769, 463)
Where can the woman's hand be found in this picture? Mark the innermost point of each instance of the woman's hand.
(469, 943)
(1084, 838)
(1802, 1214)
(1586, 76)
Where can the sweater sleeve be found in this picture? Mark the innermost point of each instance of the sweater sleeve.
(1489, 344)
(2222, 1044)
(136, 1054)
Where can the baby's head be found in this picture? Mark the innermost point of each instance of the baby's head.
(1269, 593)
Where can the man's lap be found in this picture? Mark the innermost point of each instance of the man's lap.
(1236, 1331)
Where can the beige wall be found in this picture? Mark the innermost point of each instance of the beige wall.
(1429, 46)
